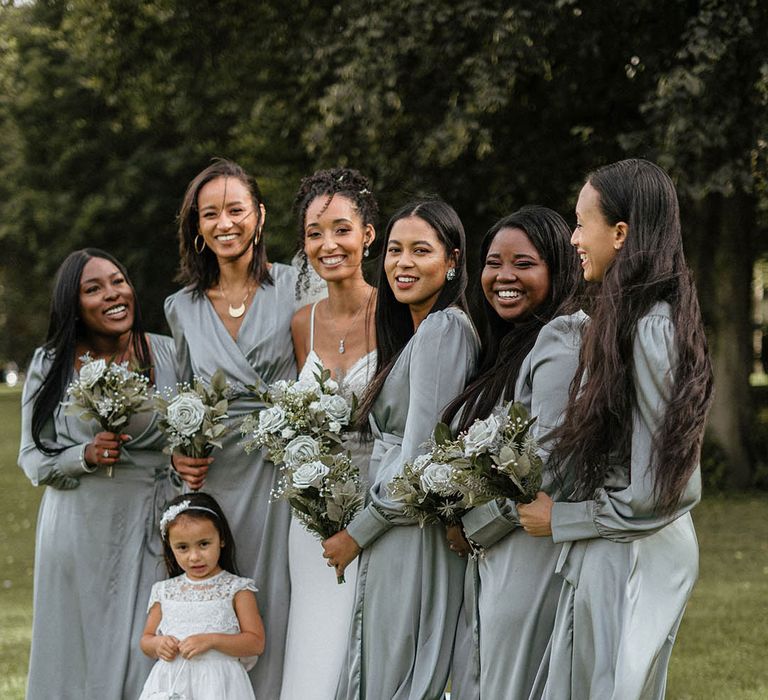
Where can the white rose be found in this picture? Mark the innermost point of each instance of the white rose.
(331, 386)
(308, 385)
(336, 407)
(422, 462)
(481, 436)
(91, 372)
(334, 426)
(437, 478)
(287, 433)
(271, 420)
(300, 449)
(309, 474)
(186, 413)
(279, 387)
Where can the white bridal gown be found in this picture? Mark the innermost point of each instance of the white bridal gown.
(321, 608)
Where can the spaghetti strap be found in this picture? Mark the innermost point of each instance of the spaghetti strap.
(312, 326)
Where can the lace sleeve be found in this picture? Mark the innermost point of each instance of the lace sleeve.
(155, 595)
(240, 583)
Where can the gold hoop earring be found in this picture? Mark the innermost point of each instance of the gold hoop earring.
(256, 237)
(199, 248)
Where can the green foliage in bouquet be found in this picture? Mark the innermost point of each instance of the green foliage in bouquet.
(495, 458)
(325, 492)
(194, 419)
(308, 412)
(107, 392)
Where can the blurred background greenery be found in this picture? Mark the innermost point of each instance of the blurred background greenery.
(109, 107)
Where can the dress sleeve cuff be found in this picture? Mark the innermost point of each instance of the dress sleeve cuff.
(573, 521)
(367, 526)
(71, 461)
(487, 524)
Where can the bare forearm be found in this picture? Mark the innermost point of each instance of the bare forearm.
(148, 645)
(241, 644)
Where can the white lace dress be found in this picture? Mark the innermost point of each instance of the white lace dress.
(198, 607)
(321, 609)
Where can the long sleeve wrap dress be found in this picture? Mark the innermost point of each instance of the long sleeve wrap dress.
(628, 570)
(512, 589)
(240, 482)
(97, 547)
(409, 585)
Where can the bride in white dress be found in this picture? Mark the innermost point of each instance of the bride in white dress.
(337, 213)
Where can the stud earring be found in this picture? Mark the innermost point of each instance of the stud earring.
(199, 248)
(451, 274)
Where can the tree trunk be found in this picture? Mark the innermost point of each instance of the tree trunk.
(724, 261)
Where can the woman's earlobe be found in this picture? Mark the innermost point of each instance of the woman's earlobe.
(620, 235)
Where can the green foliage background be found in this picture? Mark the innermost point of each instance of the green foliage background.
(109, 107)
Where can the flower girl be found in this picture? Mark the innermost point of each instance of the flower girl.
(204, 625)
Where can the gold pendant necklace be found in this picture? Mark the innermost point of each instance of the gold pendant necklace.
(233, 311)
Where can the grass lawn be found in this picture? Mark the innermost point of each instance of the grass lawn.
(721, 648)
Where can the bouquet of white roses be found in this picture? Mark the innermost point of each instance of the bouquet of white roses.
(324, 490)
(495, 458)
(302, 429)
(193, 420)
(107, 392)
(302, 417)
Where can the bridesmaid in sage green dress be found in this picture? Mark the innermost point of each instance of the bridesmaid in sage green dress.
(409, 585)
(630, 441)
(529, 278)
(235, 314)
(97, 549)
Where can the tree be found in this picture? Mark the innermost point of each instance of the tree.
(112, 106)
(708, 121)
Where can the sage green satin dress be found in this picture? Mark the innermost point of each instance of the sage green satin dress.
(409, 584)
(97, 548)
(511, 591)
(240, 482)
(628, 571)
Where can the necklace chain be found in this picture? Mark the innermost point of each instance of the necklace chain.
(343, 338)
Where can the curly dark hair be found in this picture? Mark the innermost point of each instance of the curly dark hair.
(201, 270)
(346, 182)
(649, 268)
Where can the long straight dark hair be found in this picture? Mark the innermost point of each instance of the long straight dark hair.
(65, 329)
(649, 268)
(394, 323)
(198, 501)
(201, 270)
(506, 345)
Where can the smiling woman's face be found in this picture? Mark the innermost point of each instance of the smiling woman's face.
(515, 278)
(416, 264)
(106, 299)
(335, 237)
(226, 216)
